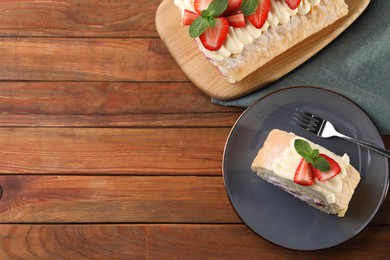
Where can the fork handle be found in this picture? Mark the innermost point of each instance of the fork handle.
(378, 149)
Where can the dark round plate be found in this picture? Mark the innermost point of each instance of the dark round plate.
(278, 216)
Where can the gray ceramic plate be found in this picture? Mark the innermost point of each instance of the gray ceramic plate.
(276, 215)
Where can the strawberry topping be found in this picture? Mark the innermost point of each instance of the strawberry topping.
(334, 170)
(313, 164)
(212, 18)
(213, 38)
(259, 17)
(304, 174)
(233, 6)
(188, 17)
(201, 5)
(293, 4)
(236, 20)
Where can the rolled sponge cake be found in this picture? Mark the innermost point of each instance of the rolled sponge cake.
(278, 39)
(274, 146)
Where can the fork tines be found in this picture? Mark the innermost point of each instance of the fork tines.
(306, 121)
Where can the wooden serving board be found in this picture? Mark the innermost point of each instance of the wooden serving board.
(206, 77)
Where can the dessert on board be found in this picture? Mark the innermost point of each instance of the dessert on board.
(240, 36)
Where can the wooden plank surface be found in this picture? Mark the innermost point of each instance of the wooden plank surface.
(122, 199)
(139, 151)
(86, 59)
(107, 199)
(169, 241)
(131, 120)
(110, 104)
(105, 98)
(108, 151)
(74, 18)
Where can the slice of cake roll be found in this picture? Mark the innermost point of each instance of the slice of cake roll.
(308, 171)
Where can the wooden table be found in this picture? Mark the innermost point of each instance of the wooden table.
(108, 151)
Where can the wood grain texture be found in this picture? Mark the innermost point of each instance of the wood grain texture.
(91, 59)
(170, 241)
(207, 78)
(108, 151)
(105, 98)
(171, 151)
(107, 199)
(110, 104)
(131, 120)
(73, 18)
(121, 199)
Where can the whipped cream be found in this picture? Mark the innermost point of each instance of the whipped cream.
(237, 38)
(286, 164)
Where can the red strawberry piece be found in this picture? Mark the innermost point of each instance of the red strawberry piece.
(233, 6)
(304, 174)
(201, 5)
(188, 17)
(293, 3)
(259, 17)
(213, 38)
(236, 20)
(334, 170)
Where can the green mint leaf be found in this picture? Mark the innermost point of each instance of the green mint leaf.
(309, 160)
(248, 7)
(210, 22)
(198, 26)
(312, 156)
(303, 148)
(321, 164)
(206, 13)
(216, 8)
(207, 19)
(314, 153)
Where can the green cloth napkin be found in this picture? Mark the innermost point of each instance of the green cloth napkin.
(356, 65)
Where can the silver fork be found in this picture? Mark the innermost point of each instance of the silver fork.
(323, 128)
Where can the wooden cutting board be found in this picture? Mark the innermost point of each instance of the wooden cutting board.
(206, 77)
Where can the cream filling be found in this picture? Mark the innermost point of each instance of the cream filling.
(285, 165)
(237, 38)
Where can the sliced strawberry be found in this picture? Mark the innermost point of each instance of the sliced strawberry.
(188, 17)
(334, 170)
(304, 174)
(259, 17)
(233, 6)
(236, 20)
(201, 5)
(213, 38)
(293, 4)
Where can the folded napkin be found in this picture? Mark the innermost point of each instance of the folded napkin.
(356, 65)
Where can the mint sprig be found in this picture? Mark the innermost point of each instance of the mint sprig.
(216, 8)
(248, 7)
(207, 18)
(198, 26)
(312, 156)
